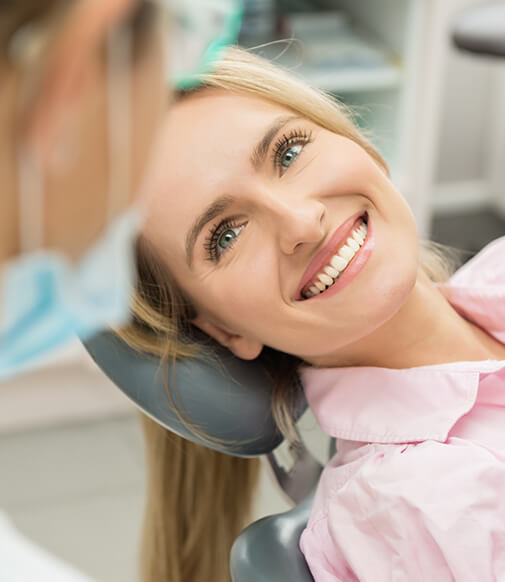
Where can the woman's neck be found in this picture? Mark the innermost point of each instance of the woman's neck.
(426, 330)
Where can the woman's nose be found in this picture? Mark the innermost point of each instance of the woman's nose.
(299, 222)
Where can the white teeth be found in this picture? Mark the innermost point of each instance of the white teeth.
(353, 244)
(346, 253)
(338, 263)
(326, 279)
(333, 273)
(359, 236)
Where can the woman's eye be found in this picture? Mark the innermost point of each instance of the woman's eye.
(222, 238)
(228, 237)
(289, 147)
(289, 156)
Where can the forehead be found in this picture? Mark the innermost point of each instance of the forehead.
(220, 116)
(208, 139)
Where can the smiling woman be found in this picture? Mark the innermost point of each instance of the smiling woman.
(275, 229)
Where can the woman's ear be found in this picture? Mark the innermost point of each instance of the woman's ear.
(68, 71)
(239, 345)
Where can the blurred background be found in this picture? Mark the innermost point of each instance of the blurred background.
(70, 444)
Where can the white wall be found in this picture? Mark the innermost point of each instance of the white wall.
(469, 162)
(464, 135)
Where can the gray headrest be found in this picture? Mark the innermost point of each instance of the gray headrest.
(230, 401)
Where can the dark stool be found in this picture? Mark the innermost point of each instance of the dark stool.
(481, 29)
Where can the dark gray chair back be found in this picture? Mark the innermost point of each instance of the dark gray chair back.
(228, 399)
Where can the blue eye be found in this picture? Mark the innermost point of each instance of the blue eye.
(227, 238)
(222, 237)
(289, 147)
(290, 155)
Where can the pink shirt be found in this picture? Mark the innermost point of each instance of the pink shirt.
(416, 491)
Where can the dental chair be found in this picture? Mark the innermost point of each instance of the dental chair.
(214, 393)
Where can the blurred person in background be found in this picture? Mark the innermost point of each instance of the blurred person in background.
(82, 92)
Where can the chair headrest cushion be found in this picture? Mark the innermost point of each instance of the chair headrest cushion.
(227, 398)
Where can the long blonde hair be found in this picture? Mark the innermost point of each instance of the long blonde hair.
(177, 536)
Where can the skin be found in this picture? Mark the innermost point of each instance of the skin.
(56, 107)
(389, 315)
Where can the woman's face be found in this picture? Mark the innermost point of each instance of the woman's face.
(251, 205)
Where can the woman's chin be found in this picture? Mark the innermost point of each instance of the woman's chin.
(373, 308)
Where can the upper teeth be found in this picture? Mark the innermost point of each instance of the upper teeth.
(338, 262)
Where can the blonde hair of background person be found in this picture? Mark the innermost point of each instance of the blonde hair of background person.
(199, 499)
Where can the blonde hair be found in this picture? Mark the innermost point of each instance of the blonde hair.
(197, 501)
(162, 315)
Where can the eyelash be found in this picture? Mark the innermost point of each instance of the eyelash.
(211, 242)
(286, 141)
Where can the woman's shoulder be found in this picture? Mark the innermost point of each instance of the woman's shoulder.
(486, 268)
(445, 494)
(377, 473)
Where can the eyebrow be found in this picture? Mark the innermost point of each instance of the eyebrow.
(260, 151)
(223, 202)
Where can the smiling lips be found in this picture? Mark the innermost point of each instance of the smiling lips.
(326, 268)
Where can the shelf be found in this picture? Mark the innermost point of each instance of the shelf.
(352, 80)
(350, 64)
